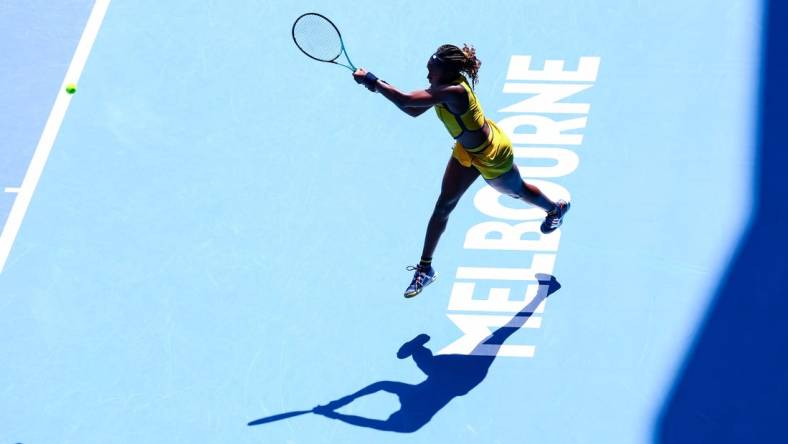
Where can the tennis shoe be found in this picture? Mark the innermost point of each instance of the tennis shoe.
(555, 218)
(422, 277)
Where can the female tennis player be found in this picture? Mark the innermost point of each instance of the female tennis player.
(481, 148)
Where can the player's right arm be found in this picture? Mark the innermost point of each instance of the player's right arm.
(415, 112)
(414, 103)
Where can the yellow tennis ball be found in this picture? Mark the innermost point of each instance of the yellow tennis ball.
(71, 88)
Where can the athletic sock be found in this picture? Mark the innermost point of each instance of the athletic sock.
(425, 263)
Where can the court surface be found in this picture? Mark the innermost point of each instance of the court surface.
(219, 227)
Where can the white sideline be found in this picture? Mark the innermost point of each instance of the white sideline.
(33, 174)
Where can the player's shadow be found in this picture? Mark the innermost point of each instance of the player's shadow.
(448, 376)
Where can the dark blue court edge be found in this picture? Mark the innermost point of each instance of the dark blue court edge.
(733, 387)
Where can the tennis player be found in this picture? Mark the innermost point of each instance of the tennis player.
(481, 148)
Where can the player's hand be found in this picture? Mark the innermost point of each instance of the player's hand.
(366, 78)
(359, 74)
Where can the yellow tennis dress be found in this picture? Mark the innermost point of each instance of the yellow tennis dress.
(493, 157)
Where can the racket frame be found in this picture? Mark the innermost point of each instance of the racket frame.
(351, 67)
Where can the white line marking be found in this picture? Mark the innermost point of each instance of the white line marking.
(12, 189)
(33, 174)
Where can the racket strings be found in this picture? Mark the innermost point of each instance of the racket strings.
(317, 37)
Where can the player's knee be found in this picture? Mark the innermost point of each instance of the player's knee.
(444, 207)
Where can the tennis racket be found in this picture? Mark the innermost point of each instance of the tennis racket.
(318, 38)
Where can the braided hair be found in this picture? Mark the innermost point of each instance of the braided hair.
(460, 60)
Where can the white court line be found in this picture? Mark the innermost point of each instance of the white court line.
(12, 189)
(33, 174)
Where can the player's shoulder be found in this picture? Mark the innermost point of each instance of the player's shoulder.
(448, 92)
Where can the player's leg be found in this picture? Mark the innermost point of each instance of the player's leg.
(456, 180)
(512, 184)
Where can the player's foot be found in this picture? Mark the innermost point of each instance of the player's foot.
(422, 277)
(555, 218)
(408, 347)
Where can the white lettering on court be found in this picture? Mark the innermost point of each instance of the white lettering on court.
(513, 231)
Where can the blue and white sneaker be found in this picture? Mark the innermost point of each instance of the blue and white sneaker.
(555, 218)
(422, 277)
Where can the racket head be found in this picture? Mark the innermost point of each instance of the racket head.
(317, 37)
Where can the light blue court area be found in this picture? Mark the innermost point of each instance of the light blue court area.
(221, 230)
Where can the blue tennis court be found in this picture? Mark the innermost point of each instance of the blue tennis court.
(215, 229)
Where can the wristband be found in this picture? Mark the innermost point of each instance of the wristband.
(369, 80)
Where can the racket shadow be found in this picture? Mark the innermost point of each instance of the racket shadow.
(278, 417)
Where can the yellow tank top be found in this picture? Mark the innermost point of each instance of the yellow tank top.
(470, 120)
